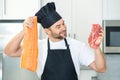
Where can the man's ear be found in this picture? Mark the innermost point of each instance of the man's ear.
(47, 31)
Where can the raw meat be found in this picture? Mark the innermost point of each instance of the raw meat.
(93, 40)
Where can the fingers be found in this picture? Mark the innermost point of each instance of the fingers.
(100, 37)
(28, 22)
(96, 39)
(99, 40)
(101, 34)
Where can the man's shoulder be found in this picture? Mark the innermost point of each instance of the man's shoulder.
(42, 41)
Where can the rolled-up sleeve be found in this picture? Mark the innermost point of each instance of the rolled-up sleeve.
(86, 55)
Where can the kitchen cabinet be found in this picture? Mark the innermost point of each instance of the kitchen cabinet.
(18, 9)
(1, 65)
(88, 75)
(12, 70)
(111, 9)
(84, 14)
(1, 9)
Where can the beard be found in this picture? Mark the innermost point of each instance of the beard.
(61, 35)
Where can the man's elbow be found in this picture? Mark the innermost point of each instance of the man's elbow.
(7, 52)
(101, 70)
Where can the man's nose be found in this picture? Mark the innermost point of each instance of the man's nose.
(63, 27)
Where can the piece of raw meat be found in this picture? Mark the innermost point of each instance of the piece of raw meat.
(93, 40)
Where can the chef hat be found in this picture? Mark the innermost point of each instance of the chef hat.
(47, 15)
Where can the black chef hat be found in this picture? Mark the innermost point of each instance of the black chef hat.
(47, 15)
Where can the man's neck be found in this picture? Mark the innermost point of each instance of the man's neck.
(55, 40)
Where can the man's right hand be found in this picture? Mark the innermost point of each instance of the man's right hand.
(28, 23)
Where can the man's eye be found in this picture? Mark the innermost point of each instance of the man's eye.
(58, 27)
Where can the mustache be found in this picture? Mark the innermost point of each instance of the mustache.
(63, 31)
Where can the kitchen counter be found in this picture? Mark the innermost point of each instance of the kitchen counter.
(85, 68)
(1, 51)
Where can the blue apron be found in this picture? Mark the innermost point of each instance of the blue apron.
(59, 65)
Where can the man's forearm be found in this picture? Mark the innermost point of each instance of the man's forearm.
(100, 60)
(13, 48)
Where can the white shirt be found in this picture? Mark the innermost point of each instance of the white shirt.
(58, 45)
(81, 53)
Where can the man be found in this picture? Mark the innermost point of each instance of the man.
(59, 56)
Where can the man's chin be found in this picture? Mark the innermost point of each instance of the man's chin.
(62, 37)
